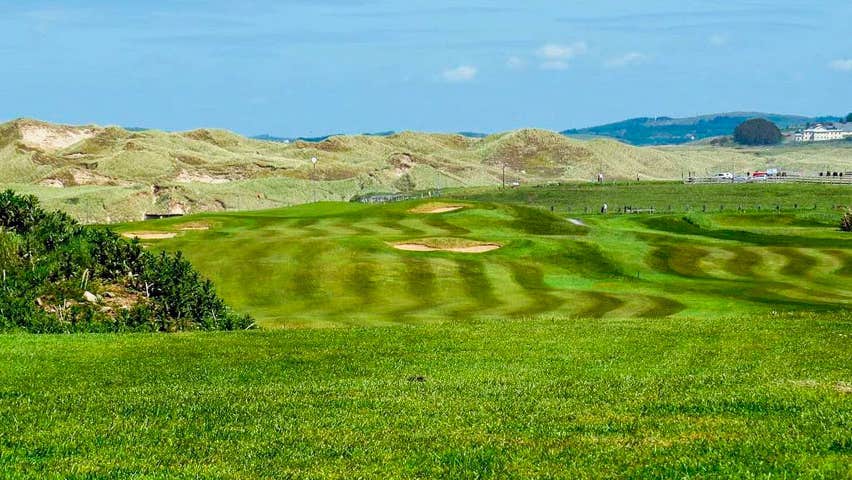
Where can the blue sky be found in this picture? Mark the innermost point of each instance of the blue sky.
(308, 67)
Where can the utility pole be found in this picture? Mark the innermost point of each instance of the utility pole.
(314, 177)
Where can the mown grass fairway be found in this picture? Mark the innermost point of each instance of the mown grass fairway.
(731, 396)
(335, 264)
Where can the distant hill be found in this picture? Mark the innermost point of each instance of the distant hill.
(107, 174)
(673, 131)
(272, 138)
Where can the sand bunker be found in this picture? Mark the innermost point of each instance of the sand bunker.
(577, 222)
(436, 208)
(149, 235)
(441, 245)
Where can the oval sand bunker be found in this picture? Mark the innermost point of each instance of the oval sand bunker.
(419, 247)
(436, 208)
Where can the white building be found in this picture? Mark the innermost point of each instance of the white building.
(822, 132)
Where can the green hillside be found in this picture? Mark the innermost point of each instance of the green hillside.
(670, 131)
(334, 264)
(111, 174)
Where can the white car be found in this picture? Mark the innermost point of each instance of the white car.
(724, 176)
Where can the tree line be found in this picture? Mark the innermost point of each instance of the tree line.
(57, 275)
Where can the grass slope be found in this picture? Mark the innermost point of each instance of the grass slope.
(728, 397)
(333, 264)
(663, 195)
(112, 174)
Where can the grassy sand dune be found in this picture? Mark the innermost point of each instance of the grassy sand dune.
(215, 170)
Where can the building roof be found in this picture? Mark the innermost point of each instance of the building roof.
(831, 127)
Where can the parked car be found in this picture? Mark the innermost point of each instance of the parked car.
(724, 176)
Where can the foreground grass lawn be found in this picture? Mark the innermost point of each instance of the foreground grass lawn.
(754, 397)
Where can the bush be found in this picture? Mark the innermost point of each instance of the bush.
(405, 183)
(846, 221)
(757, 131)
(48, 261)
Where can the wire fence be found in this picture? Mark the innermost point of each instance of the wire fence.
(396, 197)
(691, 208)
(827, 179)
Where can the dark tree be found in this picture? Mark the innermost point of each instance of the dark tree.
(757, 131)
(849, 118)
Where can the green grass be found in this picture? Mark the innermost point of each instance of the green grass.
(333, 264)
(686, 345)
(724, 397)
(662, 196)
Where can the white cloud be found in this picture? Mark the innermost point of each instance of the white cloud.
(631, 58)
(844, 65)
(516, 63)
(462, 73)
(718, 39)
(557, 52)
(556, 56)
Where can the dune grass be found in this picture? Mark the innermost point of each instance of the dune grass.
(212, 170)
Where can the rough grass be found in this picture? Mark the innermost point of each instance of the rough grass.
(724, 397)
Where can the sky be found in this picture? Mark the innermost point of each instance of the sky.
(313, 67)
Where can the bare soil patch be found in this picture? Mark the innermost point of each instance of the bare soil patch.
(194, 226)
(52, 182)
(187, 177)
(149, 235)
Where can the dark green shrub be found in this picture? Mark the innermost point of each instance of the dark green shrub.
(48, 261)
(846, 221)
